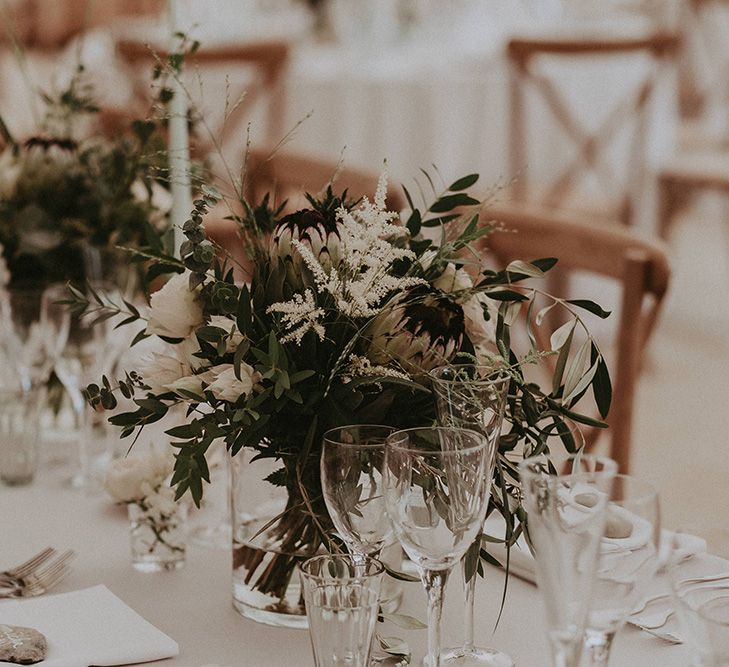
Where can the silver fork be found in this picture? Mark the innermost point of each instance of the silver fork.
(24, 569)
(39, 582)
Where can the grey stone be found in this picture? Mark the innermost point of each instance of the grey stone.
(23, 646)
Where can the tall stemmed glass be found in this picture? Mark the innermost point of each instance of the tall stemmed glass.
(472, 396)
(27, 341)
(629, 559)
(566, 499)
(85, 352)
(352, 465)
(436, 493)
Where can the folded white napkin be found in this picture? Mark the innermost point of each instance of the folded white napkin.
(89, 627)
(521, 561)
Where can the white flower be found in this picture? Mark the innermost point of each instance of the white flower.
(452, 279)
(191, 383)
(227, 387)
(187, 350)
(162, 371)
(175, 310)
(300, 315)
(129, 479)
(222, 322)
(10, 170)
(481, 332)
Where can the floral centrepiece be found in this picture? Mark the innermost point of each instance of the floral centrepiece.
(70, 195)
(157, 520)
(350, 306)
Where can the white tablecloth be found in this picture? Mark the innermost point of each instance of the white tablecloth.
(193, 605)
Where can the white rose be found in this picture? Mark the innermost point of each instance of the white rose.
(127, 478)
(222, 322)
(162, 371)
(161, 463)
(452, 279)
(187, 350)
(481, 333)
(134, 477)
(175, 310)
(227, 387)
(191, 383)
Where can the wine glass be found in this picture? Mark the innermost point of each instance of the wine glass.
(472, 396)
(436, 493)
(28, 343)
(84, 352)
(628, 562)
(566, 499)
(352, 462)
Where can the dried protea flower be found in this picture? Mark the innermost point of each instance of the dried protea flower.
(420, 332)
(317, 231)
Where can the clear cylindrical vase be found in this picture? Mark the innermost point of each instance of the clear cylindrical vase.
(158, 532)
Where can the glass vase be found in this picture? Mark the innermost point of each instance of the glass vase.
(270, 541)
(158, 532)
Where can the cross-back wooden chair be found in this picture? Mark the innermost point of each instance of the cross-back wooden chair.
(638, 267)
(701, 163)
(702, 68)
(47, 25)
(286, 175)
(526, 57)
(267, 61)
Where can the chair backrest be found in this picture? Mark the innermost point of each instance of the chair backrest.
(50, 24)
(529, 59)
(265, 62)
(286, 176)
(703, 65)
(638, 267)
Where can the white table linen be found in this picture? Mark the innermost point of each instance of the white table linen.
(91, 626)
(193, 605)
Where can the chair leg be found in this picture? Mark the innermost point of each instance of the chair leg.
(673, 197)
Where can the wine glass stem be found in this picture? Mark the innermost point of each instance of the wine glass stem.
(434, 582)
(566, 653)
(470, 588)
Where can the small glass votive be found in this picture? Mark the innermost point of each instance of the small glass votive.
(18, 437)
(158, 531)
(342, 597)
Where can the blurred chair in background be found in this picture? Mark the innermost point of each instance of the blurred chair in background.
(51, 24)
(617, 179)
(638, 267)
(261, 88)
(286, 176)
(701, 163)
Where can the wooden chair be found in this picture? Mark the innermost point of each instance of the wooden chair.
(638, 267)
(525, 57)
(286, 176)
(48, 25)
(267, 60)
(701, 163)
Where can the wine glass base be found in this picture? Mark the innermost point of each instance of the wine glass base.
(475, 657)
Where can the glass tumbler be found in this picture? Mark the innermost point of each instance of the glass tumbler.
(19, 414)
(341, 594)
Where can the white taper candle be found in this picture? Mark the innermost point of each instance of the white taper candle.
(179, 144)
